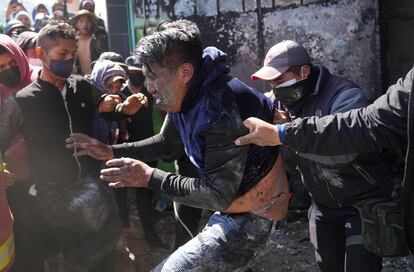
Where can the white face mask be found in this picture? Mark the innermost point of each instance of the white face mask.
(291, 81)
(287, 83)
(35, 62)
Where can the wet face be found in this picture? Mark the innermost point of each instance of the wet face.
(84, 25)
(168, 86)
(6, 62)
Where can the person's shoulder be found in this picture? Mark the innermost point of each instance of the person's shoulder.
(28, 91)
(78, 79)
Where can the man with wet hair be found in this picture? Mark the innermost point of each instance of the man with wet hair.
(246, 186)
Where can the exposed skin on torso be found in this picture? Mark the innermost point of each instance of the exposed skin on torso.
(269, 198)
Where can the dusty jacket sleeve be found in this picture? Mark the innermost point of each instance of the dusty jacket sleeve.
(382, 124)
(220, 179)
(11, 122)
(166, 145)
(350, 99)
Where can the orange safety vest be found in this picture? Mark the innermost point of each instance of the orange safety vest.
(7, 253)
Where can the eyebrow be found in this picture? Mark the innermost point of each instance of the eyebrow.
(148, 67)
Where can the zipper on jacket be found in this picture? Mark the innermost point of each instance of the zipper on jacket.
(328, 187)
(363, 173)
(71, 128)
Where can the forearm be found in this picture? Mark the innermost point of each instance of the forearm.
(165, 145)
(194, 192)
(151, 149)
(357, 131)
(220, 177)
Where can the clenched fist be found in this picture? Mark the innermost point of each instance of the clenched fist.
(134, 103)
(109, 103)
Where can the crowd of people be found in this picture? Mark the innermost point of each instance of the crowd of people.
(76, 128)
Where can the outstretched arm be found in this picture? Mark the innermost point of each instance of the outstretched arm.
(382, 124)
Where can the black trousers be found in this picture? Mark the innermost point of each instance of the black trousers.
(335, 235)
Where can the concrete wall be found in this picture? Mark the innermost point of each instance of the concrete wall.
(342, 34)
(397, 35)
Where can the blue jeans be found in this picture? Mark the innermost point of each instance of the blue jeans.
(227, 243)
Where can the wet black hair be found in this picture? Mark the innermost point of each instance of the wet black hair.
(172, 46)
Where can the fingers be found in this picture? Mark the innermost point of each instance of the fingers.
(247, 139)
(244, 140)
(82, 152)
(81, 137)
(118, 184)
(116, 162)
(7, 177)
(114, 174)
(77, 138)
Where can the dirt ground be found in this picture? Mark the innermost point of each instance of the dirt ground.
(293, 254)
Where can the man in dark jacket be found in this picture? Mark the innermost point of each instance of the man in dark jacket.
(386, 123)
(46, 112)
(206, 108)
(335, 183)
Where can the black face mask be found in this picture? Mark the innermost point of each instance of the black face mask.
(289, 95)
(10, 77)
(137, 79)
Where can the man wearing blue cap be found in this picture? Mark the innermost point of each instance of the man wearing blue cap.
(335, 183)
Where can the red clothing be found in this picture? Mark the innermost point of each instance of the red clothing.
(17, 152)
(27, 72)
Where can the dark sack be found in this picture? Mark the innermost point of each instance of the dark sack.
(382, 227)
(83, 207)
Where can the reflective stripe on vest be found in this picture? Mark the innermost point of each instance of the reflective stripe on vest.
(7, 252)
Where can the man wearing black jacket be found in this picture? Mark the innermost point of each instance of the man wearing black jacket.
(67, 191)
(386, 123)
(336, 183)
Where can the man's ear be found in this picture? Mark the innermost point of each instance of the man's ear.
(187, 72)
(39, 52)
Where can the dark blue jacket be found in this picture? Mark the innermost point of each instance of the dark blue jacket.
(210, 119)
(338, 181)
(386, 123)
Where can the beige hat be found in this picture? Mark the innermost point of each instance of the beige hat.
(280, 58)
(83, 12)
(115, 78)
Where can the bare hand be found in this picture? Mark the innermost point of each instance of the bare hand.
(7, 178)
(279, 117)
(126, 172)
(85, 145)
(260, 133)
(109, 103)
(134, 103)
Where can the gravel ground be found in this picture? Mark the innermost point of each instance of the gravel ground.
(294, 252)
